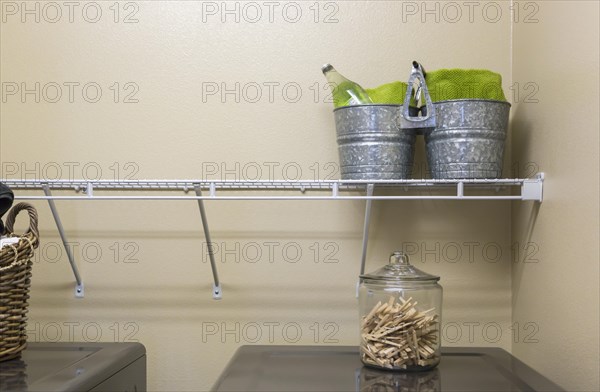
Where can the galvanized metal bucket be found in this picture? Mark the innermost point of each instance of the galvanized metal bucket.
(468, 140)
(377, 142)
(371, 144)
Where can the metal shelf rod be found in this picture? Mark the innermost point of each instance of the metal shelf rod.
(79, 288)
(363, 258)
(217, 291)
(358, 197)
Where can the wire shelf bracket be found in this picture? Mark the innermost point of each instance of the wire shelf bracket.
(217, 291)
(79, 288)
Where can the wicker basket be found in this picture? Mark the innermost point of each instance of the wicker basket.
(15, 279)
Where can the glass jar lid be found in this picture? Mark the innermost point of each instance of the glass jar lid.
(399, 269)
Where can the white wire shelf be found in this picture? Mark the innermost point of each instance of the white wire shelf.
(479, 189)
(491, 189)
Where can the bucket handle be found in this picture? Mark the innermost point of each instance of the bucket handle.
(423, 123)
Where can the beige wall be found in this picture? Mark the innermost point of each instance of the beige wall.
(556, 291)
(162, 299)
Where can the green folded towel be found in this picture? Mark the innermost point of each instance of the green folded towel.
(445, 84)
(389, 93)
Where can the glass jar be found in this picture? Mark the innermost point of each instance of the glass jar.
(400, 310)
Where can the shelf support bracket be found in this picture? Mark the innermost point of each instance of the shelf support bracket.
(335, 190)
(365, 242)
(217, 292)
(532, 189)
(79, 288)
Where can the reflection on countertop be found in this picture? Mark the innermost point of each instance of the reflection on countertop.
(13, 375)
(375, 380)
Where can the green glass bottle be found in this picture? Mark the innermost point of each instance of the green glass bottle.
(345, 91)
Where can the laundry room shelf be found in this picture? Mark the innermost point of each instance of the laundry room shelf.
(530, 189)
(201, 190)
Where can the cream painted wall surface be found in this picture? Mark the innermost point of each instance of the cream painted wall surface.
(556, 292)
(186, 91)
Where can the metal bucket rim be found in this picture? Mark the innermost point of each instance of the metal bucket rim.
(472, 100)
(391, 105)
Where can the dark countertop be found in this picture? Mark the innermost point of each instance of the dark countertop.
(338, 368)
(71, 366)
